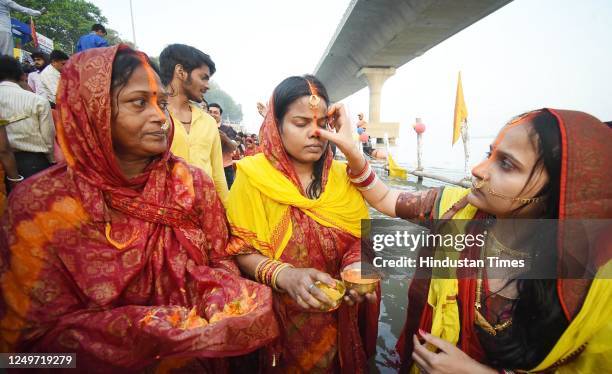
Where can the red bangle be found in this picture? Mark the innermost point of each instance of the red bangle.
(351, 175)
(367, 181)
(260, 276)
(270, 272)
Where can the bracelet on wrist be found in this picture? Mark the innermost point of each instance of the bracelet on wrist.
(365, 168)
(364, 176)
(18, 179)
(370, 185)
(369, 178)
(267, 272)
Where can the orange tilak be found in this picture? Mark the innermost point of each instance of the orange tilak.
(517, 121)
(313, 101)
(152, 84)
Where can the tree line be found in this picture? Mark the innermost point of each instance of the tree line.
(65, 21)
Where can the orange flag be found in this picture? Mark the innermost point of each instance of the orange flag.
(461, 112)
(33, 31)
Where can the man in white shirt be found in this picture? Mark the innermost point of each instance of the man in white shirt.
(40, 63)
(50, 76)
(27, 125)
(6, 36)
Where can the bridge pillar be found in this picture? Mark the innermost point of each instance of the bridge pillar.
(376, 77)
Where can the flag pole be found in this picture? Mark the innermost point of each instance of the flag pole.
(460, 126)
(133, 28)
(465, 137)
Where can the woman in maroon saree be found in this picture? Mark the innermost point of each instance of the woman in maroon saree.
(547, 165)
(119, 255)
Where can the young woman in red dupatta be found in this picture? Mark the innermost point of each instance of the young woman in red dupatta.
(292, 204)
(119, 255)
(251, 148)
(544, 164)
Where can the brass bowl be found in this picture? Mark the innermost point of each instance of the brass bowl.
(335, 294)
(353, 281)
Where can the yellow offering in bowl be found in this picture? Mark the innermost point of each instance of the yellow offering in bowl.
(334, 293)
(353, 281)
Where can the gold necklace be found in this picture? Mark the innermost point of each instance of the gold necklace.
(499, 248)
(479, 319)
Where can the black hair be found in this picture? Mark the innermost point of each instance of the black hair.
(97, 27)
(215, 105)
(126, 62)
(545, 128)
(10, 69)
(609, 124)
(180, 54)
(39, 54)
(26, 68)
(288, 91)
(538, 320)
(57, 55)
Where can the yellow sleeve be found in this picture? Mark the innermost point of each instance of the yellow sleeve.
(218, 174)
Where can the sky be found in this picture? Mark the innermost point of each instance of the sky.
(527, 55)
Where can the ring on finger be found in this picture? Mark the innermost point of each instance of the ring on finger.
(310, 287)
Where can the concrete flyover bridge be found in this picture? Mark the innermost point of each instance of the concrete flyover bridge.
(375, 37)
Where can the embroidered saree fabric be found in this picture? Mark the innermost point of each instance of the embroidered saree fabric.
(128, 274)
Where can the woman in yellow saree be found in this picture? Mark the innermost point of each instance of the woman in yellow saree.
(543, 164)
(296, 220)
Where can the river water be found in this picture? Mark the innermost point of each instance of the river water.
(395, 287)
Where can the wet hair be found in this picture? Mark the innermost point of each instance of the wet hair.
(215, 105)
(538, 319)
(288, 91)
(126, 62)
(57, 55)
(97, 27)
(10, 69)
(187, 56)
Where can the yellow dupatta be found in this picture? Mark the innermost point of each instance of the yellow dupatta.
(442, 296)
(589, 333)
(260, 198)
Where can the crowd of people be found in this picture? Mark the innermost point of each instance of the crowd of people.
(142, 233)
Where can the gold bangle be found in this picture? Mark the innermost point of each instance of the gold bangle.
(261, 269)
(276, 273)
(257, 268)
(264, 271)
